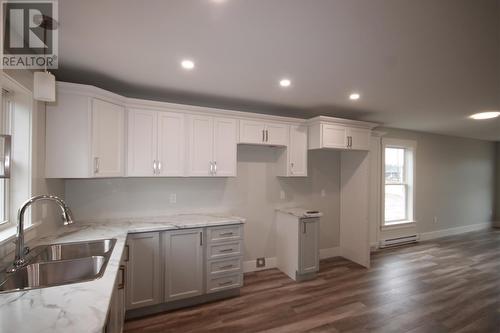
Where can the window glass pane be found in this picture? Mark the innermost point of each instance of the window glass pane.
(394, 165)
(395, 203)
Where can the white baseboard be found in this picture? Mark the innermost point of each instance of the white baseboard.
(251, 265)
(330, 252)
(453, 231)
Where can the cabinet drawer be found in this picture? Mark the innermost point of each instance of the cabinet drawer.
(224, 282)
(218, 267)
(223, 250)
(226, 233)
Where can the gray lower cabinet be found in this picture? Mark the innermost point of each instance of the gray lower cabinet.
(116, 314)
(183, 263)
(143, 270)
(308, 245)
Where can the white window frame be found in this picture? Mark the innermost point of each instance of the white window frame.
(5, 128)
(410, 147)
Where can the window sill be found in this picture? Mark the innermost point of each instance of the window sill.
(401, 225)
(9, 234)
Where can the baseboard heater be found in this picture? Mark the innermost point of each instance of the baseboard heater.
(398, 241)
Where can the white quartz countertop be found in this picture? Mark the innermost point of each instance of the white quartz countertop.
(83, 307)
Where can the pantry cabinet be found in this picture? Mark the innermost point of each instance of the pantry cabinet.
(84, 137)
(263, 133)
(155, 143)
(212, 146)
(143, 270)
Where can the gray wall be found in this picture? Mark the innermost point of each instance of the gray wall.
(254, 194)
(455, 180)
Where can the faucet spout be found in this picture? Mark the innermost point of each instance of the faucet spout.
(20, 254)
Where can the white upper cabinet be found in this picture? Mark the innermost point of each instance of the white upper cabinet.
(155, 143)
(297, 151)
(263, 133)
(212, 146)
(335, 133)
(142, 143)
(84, 137)
(225, 147)
(108, 122)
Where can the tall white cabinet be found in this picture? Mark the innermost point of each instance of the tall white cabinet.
(212, 146)
(156, 141)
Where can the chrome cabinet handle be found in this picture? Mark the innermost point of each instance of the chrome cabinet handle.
(225, 283)
(122, 271)
(159, 167)
(215, 167)
(154, 167)
(227, 234)
(96, 164)
(267, 135)
(291, 167)
(227, 267)
(226, 250)
(201, 238)
(211, 168)
(263, 136)
(128, 253)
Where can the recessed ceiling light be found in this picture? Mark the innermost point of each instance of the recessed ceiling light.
(354, 96)
(285, 83)
(485, 115)
(187, 64)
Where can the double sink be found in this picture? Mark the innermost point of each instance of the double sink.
(58, 264)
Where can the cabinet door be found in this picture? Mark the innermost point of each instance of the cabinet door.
(201, 138)
(297, 151)
(183, 252)
(360, 138)
(143, 270)
(252, 132)
(309, 245)
(170, 144)
(107, 139)
(277, 134)
(334, 136)
(142, 141)
(224, 147)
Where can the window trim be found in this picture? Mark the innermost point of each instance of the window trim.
(409, 175)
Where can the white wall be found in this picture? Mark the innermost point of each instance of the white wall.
(455, 180)
(254, 194)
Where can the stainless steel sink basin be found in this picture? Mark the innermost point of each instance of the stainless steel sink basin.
(58, 264)
(65, 251)
(46, 274)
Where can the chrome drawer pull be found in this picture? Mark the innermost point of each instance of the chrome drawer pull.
(227, 267)
(227, 234)
(225, 283)
(226, 250)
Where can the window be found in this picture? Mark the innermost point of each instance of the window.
(398, 175)
(5, 128)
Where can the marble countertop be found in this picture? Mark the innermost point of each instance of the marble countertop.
(298, 212)
(83, 307)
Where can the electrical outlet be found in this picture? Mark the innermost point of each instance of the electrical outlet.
(282, 195)
(435, 219)
(323, 193)
(173, 198)
(261, 262)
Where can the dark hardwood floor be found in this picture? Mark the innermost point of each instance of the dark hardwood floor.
(448, 285)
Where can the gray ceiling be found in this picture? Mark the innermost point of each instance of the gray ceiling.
(418, 64)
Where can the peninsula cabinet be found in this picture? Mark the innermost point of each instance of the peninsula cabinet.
(143, 270)
(212, 146)
(155, 143)
(183, 263)
(84, 137)
(263, 133)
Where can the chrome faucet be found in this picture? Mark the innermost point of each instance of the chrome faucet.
(21, 251)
